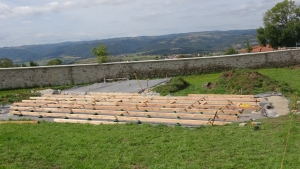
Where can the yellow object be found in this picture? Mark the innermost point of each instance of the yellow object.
(245, 105)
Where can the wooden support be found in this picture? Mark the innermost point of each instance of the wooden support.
(119, 118)
(177, 98)
(189, 110)
(221, 95)
(127, 113)
(19, 122)
(133, 107)
(143, 103)
(85, 121)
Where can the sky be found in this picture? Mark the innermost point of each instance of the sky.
(27, 22)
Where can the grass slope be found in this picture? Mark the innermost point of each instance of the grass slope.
(51, 145)
(283, 80)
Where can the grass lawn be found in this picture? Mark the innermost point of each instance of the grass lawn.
(196, 82)
(55, 145)
(52, 145)
(289, 75)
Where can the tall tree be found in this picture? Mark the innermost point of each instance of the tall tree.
(231, 51)
(101, 52)
(32, 63)
(5, 62)
(281, 25)
(248, 46)
(54, 62)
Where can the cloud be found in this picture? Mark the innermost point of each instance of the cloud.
(4, 10)
(151, 16)
(53, 7)
(26, 22)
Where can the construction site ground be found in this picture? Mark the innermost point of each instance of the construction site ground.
(132, 86)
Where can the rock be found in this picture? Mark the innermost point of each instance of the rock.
(49, 91)
(242, 124)
(268, 111)
(4, 109)
(263, 102)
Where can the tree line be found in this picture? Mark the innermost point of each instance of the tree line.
(6, 63)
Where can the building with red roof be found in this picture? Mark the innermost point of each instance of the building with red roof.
(258, 48)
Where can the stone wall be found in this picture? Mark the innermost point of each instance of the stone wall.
(90, 73)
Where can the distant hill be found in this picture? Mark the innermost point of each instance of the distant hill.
(183, 43)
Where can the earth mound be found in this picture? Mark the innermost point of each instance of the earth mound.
(245, 81)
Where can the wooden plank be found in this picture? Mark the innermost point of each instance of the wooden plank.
(19, 122)
(79, 116)
(150, 97)
(137, 107)
(144, 103)
(221, 95)
(121, 118)
(128, 113)
(110, 101)
(187, 97)
(86, 121)
(124, 108)
(129, 94)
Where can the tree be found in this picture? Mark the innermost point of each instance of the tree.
(101, 53)
(231, 51)
(32, 63)
(54, 62)
(248, 47)
(281, 25)
(5, 62)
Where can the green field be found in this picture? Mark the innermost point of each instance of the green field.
(55, 145)
(52, 145)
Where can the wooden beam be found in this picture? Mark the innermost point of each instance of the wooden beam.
(85, 121)
(99, 101)
(128, 113)
(126, 108)
(221, 95)
(143, 98)
(136, 107)
(140, 103)
(19, 122)
(169, 98)
(121, 118)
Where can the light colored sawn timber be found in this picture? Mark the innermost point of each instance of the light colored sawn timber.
(127, 113)
(120, 118)
(19, 122)
(85, 121)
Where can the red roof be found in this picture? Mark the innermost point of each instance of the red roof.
(258, 48)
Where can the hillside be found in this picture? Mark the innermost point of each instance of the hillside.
(197, 42)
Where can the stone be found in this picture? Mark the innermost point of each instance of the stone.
(242, 124)
(263, 102)
(49, 91)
